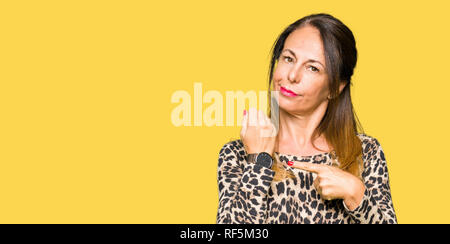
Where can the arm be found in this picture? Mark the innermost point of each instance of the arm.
(243, 189)
(376, 205)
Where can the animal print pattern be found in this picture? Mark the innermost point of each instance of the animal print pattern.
(247, 193)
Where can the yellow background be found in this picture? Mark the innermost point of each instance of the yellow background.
(85, 89)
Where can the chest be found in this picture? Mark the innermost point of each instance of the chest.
(291, 149)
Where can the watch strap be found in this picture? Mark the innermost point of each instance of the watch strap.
(251, 158)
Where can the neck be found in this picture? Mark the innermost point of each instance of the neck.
(297, 129)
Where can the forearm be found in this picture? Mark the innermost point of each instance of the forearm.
(355, 195)
(244, 199)
(373, 211)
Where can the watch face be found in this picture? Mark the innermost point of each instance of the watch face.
(264, 159)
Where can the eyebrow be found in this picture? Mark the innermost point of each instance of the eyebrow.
(309, 60)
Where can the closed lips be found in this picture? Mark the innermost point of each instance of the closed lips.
(288, 91)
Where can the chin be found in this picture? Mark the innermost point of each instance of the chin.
(287, 105)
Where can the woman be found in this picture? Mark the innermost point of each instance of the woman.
(316, 168)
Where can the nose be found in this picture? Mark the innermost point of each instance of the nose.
(295, 75)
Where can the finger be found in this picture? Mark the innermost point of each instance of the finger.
(310, 167)
(268, 128)
(272, 127)
(318, 188)
(317, 183)
(326, 195)
(327, 198)
(267, 120)
(261, 118)
(244, 122)
(252, 117)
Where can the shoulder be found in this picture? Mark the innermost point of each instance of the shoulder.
(373, 155)
(368, 142)
(367, 138)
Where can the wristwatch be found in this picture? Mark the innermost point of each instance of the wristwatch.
(264, 159)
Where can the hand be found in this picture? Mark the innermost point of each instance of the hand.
(258, 133)
(334, 183)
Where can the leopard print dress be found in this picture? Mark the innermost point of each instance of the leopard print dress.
(247, 193)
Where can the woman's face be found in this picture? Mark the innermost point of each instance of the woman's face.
(301, 69)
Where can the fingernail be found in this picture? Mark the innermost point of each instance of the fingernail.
(290, 163)
(245, 112)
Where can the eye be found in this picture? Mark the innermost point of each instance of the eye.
(313, 69)
(287, 59)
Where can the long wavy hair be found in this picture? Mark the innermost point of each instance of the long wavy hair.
(340, 124)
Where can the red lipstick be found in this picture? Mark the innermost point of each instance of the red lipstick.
(287, 92)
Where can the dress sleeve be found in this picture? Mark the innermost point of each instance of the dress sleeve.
(376, 206)
(243, 189)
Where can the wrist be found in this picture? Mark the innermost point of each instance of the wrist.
(262, 159)
(259, 150)
(355, 196)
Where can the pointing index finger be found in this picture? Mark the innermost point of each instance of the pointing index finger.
(310, 167)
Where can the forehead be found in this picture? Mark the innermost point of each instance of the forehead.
(306, 43)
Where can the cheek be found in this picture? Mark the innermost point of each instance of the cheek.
(276, 77)
(315, 83)
(317, 91)
(280, 72)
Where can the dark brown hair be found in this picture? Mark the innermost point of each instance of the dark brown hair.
(340, 124)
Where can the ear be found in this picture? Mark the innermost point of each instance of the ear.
(342, 84)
